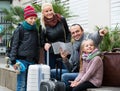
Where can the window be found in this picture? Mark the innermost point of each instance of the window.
(115, 12)
(79, 8)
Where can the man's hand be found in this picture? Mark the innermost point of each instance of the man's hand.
(63, 54)
(102, 32)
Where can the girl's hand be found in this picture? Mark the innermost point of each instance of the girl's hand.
(47, 46)
(74, 83)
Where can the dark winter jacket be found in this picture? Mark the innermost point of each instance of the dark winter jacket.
(59, 32)
(27, 48)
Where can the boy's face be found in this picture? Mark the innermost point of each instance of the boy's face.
(76, 32)
(31, 20)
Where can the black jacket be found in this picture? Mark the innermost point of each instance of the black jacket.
(27, 48)
(59, 32)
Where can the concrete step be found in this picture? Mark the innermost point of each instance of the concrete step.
(7, 78)
(104, 88)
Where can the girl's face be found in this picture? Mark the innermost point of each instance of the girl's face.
(48, 12)
(88, 47)
(31, 20)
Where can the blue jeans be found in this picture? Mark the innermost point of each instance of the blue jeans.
(53, 73)
(22, 77)
(66, 77)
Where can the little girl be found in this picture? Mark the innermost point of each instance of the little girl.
(91, 68)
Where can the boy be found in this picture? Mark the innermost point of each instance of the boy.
(25, 51)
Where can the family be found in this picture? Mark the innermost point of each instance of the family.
(80, 70)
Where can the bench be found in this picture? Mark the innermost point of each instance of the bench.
(104, 88)
(111, 77)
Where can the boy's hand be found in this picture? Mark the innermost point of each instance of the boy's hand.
(15, 66)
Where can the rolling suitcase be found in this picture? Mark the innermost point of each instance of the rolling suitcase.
(37, 73)
(52, 85)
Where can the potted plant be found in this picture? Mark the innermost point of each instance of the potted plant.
(111, 59)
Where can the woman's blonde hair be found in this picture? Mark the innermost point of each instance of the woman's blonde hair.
(42, 16)
(81, 51)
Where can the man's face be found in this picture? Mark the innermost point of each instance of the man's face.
(76, 32)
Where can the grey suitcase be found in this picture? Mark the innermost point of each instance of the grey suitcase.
(36, 74)
(52, 85)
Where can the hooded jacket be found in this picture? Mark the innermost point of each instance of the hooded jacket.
(27, 48)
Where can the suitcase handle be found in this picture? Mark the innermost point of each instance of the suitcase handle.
(58, 66)
(48, 57)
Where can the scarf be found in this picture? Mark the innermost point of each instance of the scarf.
(27, 26)
(53, 21)
(88, 57)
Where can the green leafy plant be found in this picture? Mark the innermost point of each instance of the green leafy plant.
(15, 14)
(111, 40)
(115, 37)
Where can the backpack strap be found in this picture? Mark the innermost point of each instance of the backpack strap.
(21, 36)
(21, 33)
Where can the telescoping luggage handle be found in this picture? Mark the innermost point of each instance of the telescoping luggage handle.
(48, 57)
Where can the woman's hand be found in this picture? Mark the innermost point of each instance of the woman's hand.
(47, 46)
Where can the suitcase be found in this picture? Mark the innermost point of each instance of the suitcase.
(52, 85)
(36, 74)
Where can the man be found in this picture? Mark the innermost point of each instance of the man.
(72, 64)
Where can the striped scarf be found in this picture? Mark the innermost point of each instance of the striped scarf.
(88, 57)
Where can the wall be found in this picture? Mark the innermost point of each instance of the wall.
(8, 78)
(98, 13)
(94, 12)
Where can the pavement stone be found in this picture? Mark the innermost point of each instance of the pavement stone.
(4, 89)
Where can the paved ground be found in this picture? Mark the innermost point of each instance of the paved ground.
(4, 89)
(2, 63)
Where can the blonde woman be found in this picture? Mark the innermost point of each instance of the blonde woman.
(53, 28)
(91, 69)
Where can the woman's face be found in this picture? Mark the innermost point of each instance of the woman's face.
(48, 12)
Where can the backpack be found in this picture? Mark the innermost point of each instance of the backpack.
(21, 35)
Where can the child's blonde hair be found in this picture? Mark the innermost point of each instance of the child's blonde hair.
(42, 16)
(81, 51)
